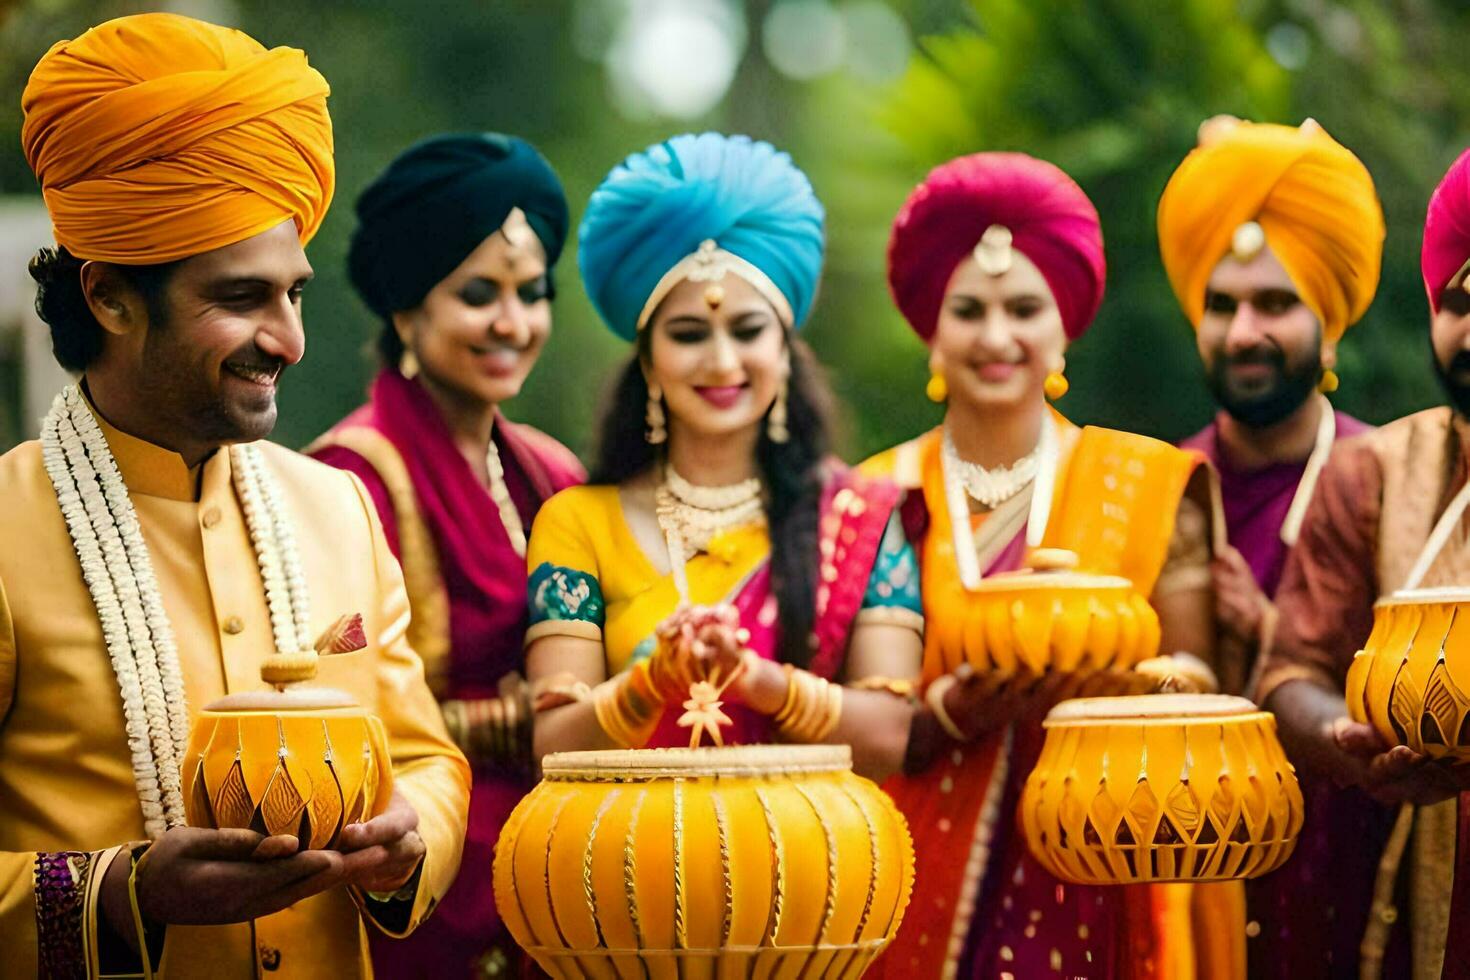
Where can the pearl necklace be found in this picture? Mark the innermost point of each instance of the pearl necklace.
(510, 518)
(692, 516)
(711, 498)
(119, 575)
(990, 487)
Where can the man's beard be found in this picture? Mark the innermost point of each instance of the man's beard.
(171, 382)
(1458, 391)
(1289, 387)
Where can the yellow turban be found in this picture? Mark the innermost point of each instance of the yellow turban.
(157, 137)
(1313, 198)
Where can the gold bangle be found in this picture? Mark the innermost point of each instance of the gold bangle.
(454, 723)
(783, 713)
(627, 707)
(492, 728)
(137, 857)
(834, 711)
(934, 699)
(511, 721)
(811, 709)
(475, 727)
(899, 687)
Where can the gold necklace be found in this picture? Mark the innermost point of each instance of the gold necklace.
(692, 516)
(990, 487)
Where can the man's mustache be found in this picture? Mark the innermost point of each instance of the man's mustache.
(253, 358)
(1260, 355)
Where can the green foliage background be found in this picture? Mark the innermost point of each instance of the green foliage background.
(1111, 90)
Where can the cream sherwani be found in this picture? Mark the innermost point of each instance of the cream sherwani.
(66, 781)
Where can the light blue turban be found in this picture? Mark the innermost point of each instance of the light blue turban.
(657, 207)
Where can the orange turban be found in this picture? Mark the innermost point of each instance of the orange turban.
(1311, 196)
(157, 137)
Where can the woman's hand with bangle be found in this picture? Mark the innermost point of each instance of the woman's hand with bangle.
(968, 703)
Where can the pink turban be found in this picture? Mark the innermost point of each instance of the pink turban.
(1447, 230)
(1050, 219)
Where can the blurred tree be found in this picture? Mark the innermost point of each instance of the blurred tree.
(1114, 92)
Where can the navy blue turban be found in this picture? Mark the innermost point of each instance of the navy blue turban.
(657, 207)
(437, 202)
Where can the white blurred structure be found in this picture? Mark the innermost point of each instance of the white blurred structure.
(29, 375)
(677, 59)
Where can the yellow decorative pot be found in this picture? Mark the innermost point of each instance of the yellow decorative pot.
(294, 760)
(1164, 787)
(1410, 680)
(765, 861)
(1034, 621)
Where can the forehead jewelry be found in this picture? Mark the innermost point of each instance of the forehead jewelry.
(518, 233)
(1247, 241)
(993, 253)
(709, 265)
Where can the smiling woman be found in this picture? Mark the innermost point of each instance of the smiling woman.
(996, 261)
(718, 555)
(454, 249)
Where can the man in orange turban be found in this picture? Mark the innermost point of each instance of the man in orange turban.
(160, 137)
(157, 551)
(1388, 516)
(1272, 236)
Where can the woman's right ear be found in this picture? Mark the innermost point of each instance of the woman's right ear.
(403, 327)
(936, 361)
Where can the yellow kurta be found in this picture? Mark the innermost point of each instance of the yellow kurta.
(66, 780)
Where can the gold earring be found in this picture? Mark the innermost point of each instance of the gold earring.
(937, 389)
(1329, 382)
(776, 422)
(408, 363)
(657, 433)
(1056, 385)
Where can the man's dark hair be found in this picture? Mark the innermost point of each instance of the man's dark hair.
(76, 336)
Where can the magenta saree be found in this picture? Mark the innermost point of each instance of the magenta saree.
(467, 588)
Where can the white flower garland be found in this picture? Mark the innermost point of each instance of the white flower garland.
(119, 575)
(275, 550)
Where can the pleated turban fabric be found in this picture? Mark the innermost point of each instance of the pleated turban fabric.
(1447, 231)
(156, 137)
(437, 202)
(1051, 220)
(657, 207)
(1312, 197)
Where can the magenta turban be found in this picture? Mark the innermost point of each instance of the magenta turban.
(1447, 230)
(1050, 219)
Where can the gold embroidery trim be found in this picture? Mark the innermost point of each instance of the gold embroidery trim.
(428, 628)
